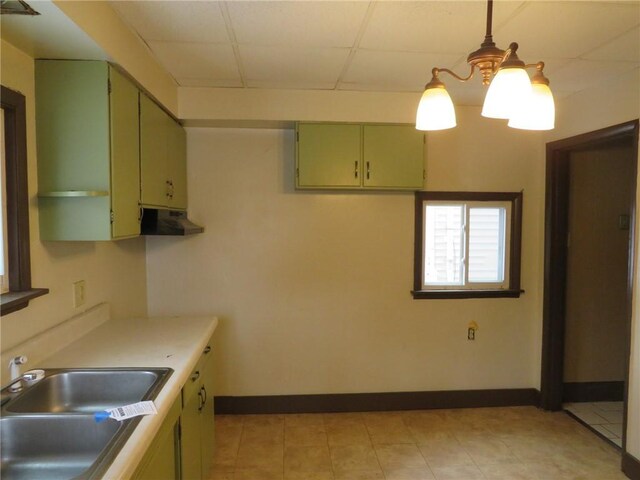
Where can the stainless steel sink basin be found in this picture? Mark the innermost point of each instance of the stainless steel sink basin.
(87, 391)
(53, 446)
(48, 430)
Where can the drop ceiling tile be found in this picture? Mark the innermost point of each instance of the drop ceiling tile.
(197, 60)
(291, 85)
(566, 29)
(320, 24)
(579, 75)
(394, 71)
(432, 26)
(625, 48)
(205, 82)
(171, 21)
(290, 65)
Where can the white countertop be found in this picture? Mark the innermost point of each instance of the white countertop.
(173, 342)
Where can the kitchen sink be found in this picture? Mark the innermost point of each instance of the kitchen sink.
(87, 391)
(48, 430)
(53, 446)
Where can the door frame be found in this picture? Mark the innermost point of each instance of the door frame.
(555, 256)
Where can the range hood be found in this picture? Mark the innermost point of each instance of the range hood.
(167, 222)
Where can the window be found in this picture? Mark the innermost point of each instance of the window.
(467, 244)
(15, 205)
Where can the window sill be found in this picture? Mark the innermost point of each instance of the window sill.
(14, 301)
(436, 294)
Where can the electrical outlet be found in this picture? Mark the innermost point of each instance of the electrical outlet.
(79, 293)
(471, 330)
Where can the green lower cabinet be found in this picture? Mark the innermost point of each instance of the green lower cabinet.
(359, 156)
(197, 423)
(162, 460)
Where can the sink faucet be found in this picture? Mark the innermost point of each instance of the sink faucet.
(14, 370)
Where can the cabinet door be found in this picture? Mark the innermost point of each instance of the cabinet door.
(328, 155)
(207, 420)
(125, 169)
(161, 461)
(393, 157)
(177, 160)
(153, 154)
(190, 441)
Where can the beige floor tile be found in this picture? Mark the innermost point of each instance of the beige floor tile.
(262, 434)
(359, 475)
(229, 420)
(399, 456)
(221, 473)
(428, 436)
(351, 458)
(349, 434)
(411, 473)
(467, 472)
(262, 420)
(308, 475)
(489, 451)
(305, 436)
(258, 474)
(445, 455)
(307, 459)
(304, 420)
(266, 456)
(508, 471)
(225, 456)
(387, 429)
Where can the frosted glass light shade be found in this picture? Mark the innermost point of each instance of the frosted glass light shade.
(538, 111)
(435, 110)
(509, 88)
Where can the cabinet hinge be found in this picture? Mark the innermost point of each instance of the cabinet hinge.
(113, 216)
(297, 172)
(297, 136)
(424, 174)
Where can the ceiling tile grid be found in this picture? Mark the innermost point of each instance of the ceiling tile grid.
(381, 45)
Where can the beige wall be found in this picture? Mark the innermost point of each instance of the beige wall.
(596, 331)
(313, 287)
(114, 271)
(617, 102)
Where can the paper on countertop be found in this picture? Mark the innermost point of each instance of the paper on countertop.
(127, 411)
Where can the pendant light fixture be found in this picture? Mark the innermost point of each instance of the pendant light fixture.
(526, 103)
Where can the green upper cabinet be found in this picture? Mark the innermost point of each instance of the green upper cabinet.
(87, 136)
(356, 156)
(163, 168)
(393, 157)
(328, 155)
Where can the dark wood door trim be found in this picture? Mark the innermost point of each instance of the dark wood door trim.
(555, 255)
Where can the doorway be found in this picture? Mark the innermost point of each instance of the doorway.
(562, 155)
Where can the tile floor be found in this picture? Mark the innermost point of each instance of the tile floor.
(515, 443)
(603, 417)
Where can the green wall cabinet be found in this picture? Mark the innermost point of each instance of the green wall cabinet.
(162, 459)
(197, 424)
(163, 158)
(359, 156)
(88, 151)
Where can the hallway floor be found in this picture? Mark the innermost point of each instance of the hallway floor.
(514, 443)
(604, 417)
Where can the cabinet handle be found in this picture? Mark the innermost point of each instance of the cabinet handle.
(203, 389)
(207, 349)
(195, 376)
(355, 171)
(368, 170)
(200, 402)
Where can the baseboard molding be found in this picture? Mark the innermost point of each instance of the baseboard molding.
(593, 391)
(631, 466)
(373, 402)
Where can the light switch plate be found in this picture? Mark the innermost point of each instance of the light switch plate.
(79, 293)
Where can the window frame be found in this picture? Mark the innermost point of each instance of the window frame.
(514, 239)
(17, 193)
